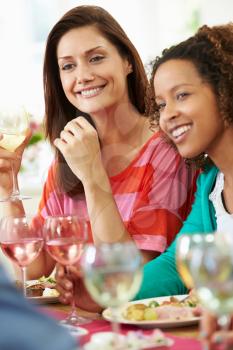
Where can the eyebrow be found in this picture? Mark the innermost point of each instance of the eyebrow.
(176, 87)
(85, 53)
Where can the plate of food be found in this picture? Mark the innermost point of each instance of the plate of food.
(42, 291)
(162, 312)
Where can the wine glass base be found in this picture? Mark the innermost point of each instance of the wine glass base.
(74, 330)
(15, 198)
(74, 320)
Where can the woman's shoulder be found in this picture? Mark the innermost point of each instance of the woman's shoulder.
(162, 152)
(159, 141)
(208, 174)
(207, 178)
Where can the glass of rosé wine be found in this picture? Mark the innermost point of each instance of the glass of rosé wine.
(65, 237)
(21, 240)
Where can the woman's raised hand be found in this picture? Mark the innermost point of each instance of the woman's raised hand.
(80, 147)
(6, 158)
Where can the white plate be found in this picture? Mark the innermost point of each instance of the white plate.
(151, 324)
(44, 300)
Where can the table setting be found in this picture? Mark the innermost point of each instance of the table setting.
(112, 274)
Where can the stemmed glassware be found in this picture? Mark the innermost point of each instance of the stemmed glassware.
(13, 126)
(112, 275)
(65, 237)
(21, 240)
(184, 253)
(211, 270)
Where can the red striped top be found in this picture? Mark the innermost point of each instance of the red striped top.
(153, 194)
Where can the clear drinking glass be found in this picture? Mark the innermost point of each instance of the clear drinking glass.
(184, 251)
(212, 272)
(65, 237)
(21, 240)
(112, 275)
(14, 124)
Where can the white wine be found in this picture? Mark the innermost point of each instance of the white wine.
(213, 276)
(112, 288)
(12, 141)
(217, 301)
(184, 272)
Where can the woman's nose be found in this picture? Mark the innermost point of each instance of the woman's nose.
(170, 112)
(84, 74)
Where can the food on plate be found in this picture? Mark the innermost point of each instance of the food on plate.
(50, 292)
(42, 287)
(133, 340)
(35, 290)
(172, 309)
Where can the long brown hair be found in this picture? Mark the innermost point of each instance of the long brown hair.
(58, 110)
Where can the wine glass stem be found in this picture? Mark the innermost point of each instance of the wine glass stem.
(115, 329)
(73, 313)
(73, 306)
(15, 189)
(23, 269)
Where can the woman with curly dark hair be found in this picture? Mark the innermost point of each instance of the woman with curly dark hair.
(192, 99)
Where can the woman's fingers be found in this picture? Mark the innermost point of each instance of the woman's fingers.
(223, 337)
(208, 328)
(62, 279)
(21, 148)
(76, 271)
(208, 324)
(64, 285)
(64, 296)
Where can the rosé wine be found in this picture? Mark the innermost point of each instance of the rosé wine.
(22, 251)
(65, 250)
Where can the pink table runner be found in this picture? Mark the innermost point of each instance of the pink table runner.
(104, 326)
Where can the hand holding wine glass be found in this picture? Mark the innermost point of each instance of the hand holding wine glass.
(112, 275)
(21, 240)
(65, 237)
(14, 126)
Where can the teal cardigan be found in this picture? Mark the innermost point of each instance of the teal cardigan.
(160, 275)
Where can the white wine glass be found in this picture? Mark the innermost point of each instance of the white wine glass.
(14, 124)
(112, 276)
(212, 272)
(65, 237)
(184, 251)
(21, 240)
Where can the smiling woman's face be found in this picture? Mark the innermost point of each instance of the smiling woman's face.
(93, 73)
(188, 108)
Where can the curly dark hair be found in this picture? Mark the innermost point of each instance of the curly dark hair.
(211, 51)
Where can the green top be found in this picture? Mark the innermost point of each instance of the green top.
(160, 275)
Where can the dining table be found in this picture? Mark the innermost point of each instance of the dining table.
(185, 337)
